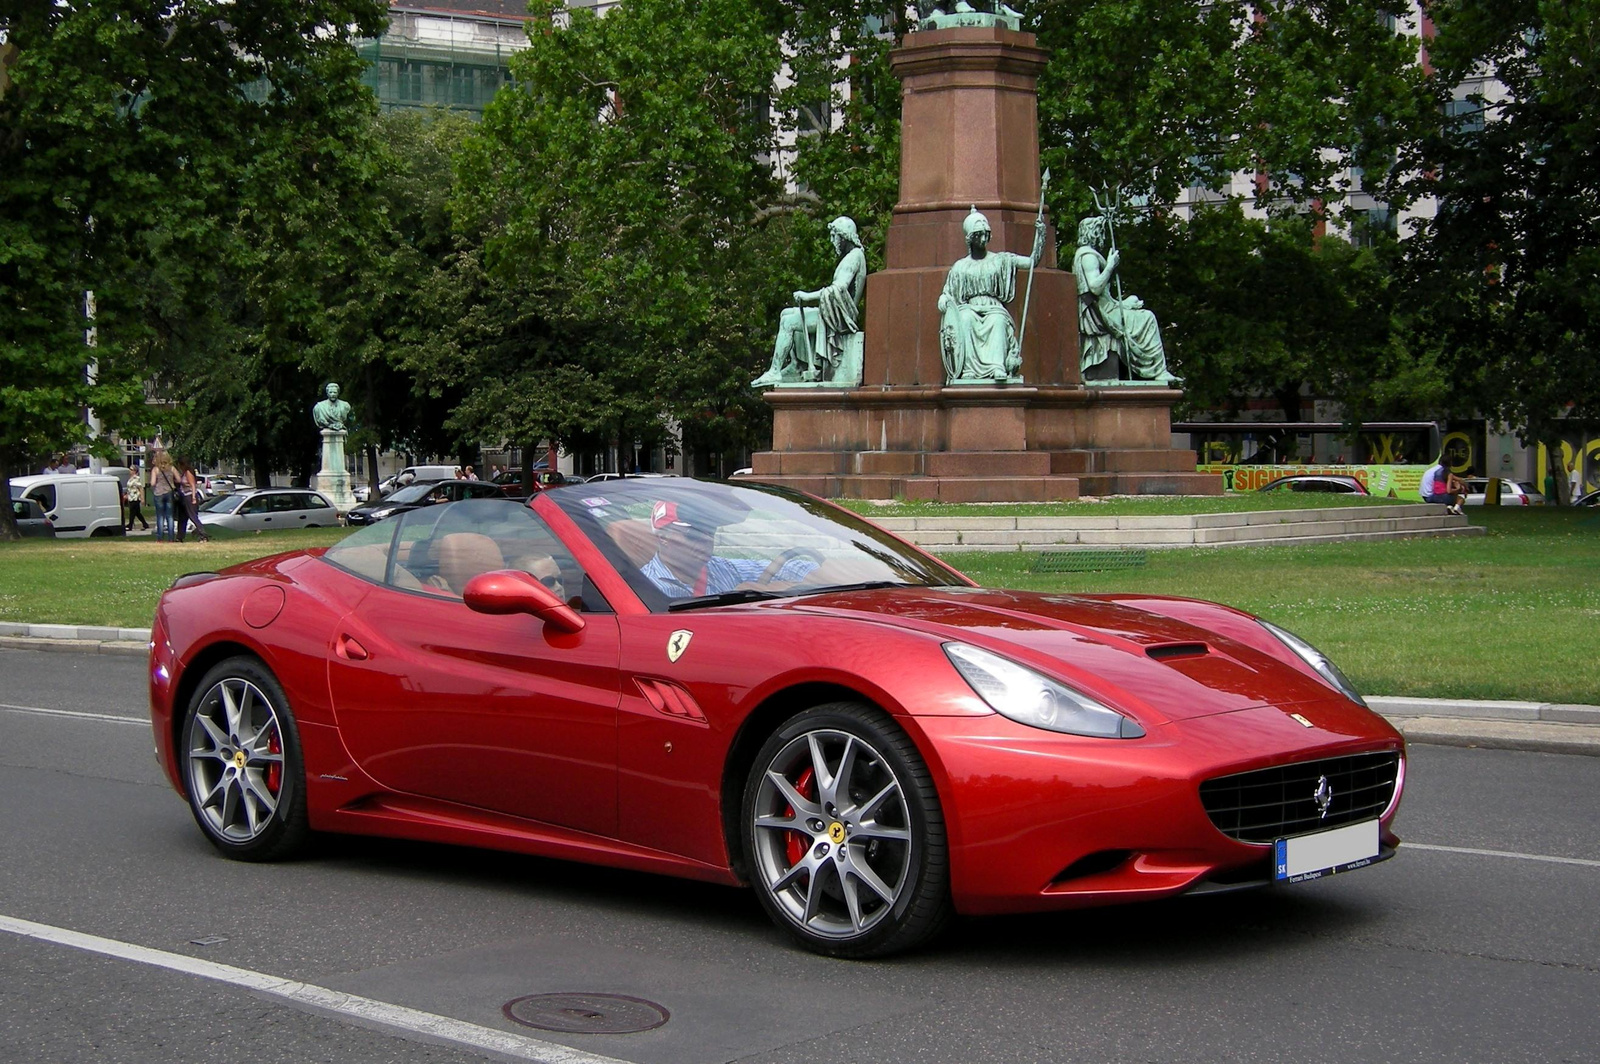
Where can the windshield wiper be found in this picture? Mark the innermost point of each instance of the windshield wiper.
(865, 585)
(727, 598)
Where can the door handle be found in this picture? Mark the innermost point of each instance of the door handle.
(351, 650)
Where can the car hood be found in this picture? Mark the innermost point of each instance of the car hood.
(1127, 657)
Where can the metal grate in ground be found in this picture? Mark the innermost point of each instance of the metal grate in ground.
(1087, 561)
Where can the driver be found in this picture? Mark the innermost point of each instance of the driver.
(683, 565)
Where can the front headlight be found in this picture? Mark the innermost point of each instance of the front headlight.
(1318, 661)
(1034, 699)
(379, 515)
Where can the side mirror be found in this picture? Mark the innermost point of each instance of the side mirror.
(514, 591)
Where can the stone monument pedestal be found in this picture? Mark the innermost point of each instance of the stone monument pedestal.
(979, 443)
(969, 138)
(334, 480)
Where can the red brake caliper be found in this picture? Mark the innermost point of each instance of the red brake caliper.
(799, 842)
(274, 770)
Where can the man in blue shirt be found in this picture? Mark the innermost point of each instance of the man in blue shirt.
(684, 565)
(1435, 486)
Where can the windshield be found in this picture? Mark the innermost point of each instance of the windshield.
(681, 543)
(411, 493)
(221, 504)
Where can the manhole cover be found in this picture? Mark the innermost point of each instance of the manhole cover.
(586, 1013)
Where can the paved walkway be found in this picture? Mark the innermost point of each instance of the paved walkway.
(1548, 727)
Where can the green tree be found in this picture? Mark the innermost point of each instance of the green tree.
(1507, 274)
(1158, 96)
(623, 198)
(125, 132)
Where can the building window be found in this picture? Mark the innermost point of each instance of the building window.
(408, 81)
(1370, 223)
(1466, 116)
(463, 86)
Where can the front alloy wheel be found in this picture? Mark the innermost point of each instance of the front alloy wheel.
(242, 766)
(845, 834)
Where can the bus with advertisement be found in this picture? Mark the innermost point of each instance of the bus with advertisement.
(1387, 457)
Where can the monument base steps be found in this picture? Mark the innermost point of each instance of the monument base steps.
(986, 476)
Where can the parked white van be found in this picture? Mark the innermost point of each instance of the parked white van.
(414, 473)
(77, 505)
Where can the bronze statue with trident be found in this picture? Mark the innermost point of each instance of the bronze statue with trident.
(1116, 333)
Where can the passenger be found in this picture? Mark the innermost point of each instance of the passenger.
(684, 565)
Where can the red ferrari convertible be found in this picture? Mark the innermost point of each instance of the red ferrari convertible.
(750, 685)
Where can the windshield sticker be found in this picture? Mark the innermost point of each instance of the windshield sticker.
(596, 500)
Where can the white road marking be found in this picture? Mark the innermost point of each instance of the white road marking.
(396, 1019)
(80, 714)
(1501, 853)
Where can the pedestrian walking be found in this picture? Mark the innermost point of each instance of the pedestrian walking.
(188, 503)
(133, 495)
(1574, 481)
(164, 488)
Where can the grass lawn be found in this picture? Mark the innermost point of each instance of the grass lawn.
(1513, 614)
(117, 580)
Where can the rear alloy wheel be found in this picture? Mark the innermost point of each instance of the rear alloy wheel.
(845, 834)
(242, 767)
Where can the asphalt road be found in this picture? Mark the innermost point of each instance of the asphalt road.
(1440, 954)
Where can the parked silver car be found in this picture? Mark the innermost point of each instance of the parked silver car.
(269, 509)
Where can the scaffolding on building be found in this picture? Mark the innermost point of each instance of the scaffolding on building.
(433, 58)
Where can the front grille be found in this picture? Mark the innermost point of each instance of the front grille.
(1274, 803)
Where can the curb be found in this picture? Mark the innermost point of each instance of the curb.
(119, 647)
(95, 632)
(1551, 712)
(1542, 727)
(1545, 737)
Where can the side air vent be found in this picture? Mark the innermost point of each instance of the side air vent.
(1165, 651)
(670, 699)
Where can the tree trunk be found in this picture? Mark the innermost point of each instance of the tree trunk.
(8, 516)
(530, 450)
(1289, 399)
(372, 468)
(1557, 468)
(262, 464)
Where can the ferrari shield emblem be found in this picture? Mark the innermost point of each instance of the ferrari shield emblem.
(677, 643)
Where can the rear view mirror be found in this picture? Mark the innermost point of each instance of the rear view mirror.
(514, 591)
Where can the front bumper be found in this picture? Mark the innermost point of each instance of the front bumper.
(1038, 821)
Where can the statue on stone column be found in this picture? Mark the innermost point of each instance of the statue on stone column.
(942, 14)
(976, 334)
(332, 416)
(1114, 332)
(332, 412)
(822, 344)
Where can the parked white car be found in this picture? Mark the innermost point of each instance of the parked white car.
(269, 510)
(76, 505)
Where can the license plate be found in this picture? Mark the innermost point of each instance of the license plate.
(1314, 856)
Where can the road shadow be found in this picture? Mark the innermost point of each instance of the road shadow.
(1135, 935)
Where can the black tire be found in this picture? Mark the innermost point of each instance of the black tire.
(867, 875)
(228, 762)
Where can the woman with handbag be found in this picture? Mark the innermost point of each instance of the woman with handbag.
(164, 488)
